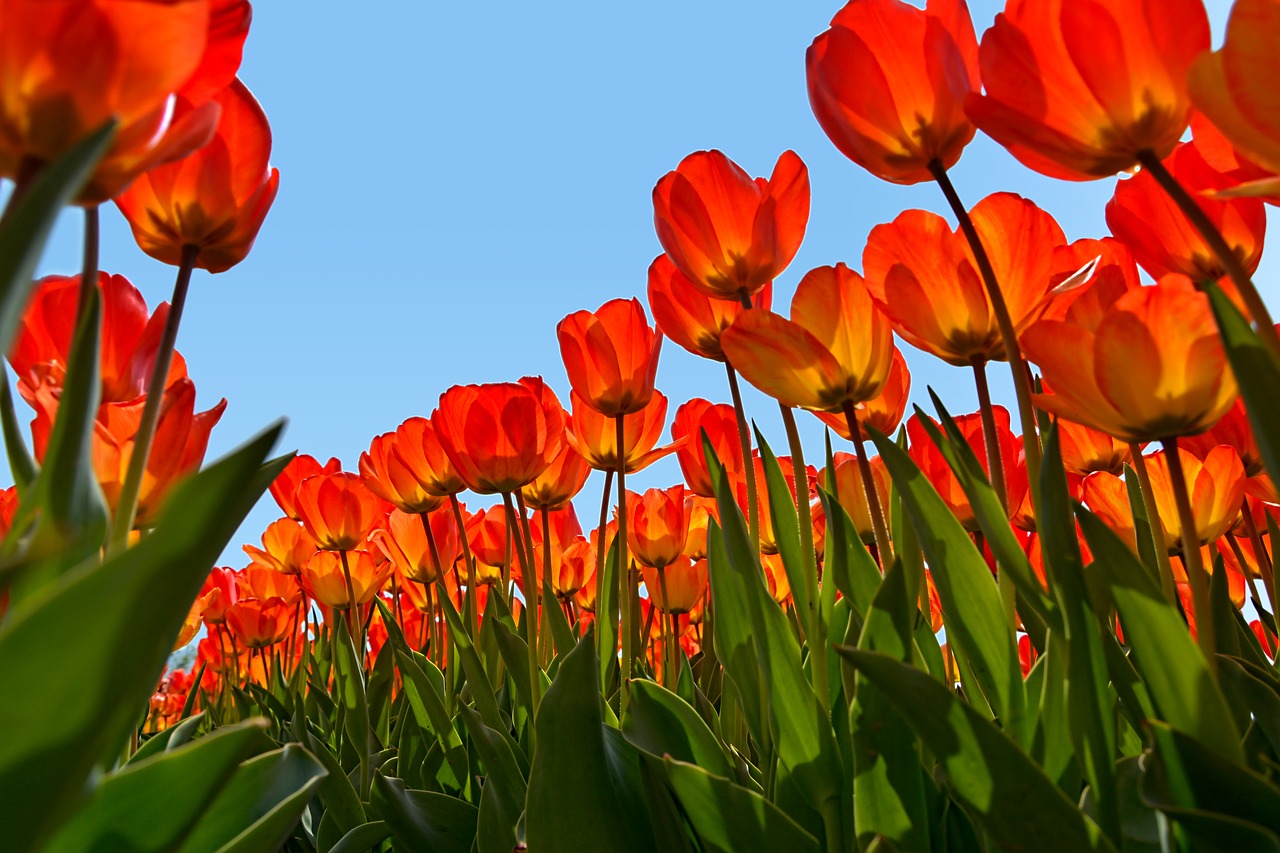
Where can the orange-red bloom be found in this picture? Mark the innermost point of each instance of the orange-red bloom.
(487, 536)
(934, 465)
(215, 199)
(404, 541)
(852, 495)
(596, 437)
(611, 356)
(284, 487)
(720, 423)
(338, 510)
(923, 276)
(687, 315)
(558, 485)
(326, 583)
(575, 570)
(1153, 367)
(286, 547)
(67, 66)
(501, 436)
(888, 81)
(1076, 89)
(1236, 86)
(728, 234)
(387, 476)
(1085, 450)
(1163, 240)
(130, 338)
(562, 524)
(258, 623)
(835, 350)
(884, 411)
(657, 526)
(221, 584)
(1216, 487)
(257, 581)
(420, 450)
(685, 582)
(1232, 429)
(768, 544)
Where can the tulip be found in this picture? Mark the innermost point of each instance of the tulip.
(1107, 497)
(657, 526)
(1078, 89)
(924, 278)
(884, 411)
(719, 422)
(1085, 450)
(1232, 429)
(887, 82)
(338, 510)
(68, 66)
(386, 475)
(834, 352)
(420, 450)
(558, 527)
(595, 436)
(487, 534)
(699, 511)
(1235, 86)
(1216, 489)
(501, 436)
(575, 570)
(404, 542)
(284, 487)
(729, 234)
(211, 203)
(222, 590)
(195, 618)
(852, 496)
(1244, 177)
(1163, 240)
(768, 543)
(286, 547)
(1152, 368)
(685, 582)
(775, 577)
(611, 356)
(261, 582)
(937, 471)
(326, 580)
(689, 316)
(560, 483)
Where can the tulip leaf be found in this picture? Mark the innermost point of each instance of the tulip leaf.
(728, 818)
(1001, 788)
(425, 820)
(1257, 689)
(27, 223)
(571, 765)
(363, 838)
(350, 684)
(607, 625)
(1172, 666)
(477, 678)
(79, 659)
(342, 803)
(21, 465)
(561, 631)
(786, 529)
(261, 804)
(503, 797)
(151, 805)
(661, 723)
(852, 568)
(735, 643)
(976, 625)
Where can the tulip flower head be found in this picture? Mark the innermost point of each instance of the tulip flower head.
(338, 510)
(326, 583)
(657, 526)
(556, 486)
(689, 316)
(404, 542)
(611, 356)
(720, 424)
(595, 436)
(685, 582)
(387, 476)
(284, 487)
(286, 547)
(884, 411)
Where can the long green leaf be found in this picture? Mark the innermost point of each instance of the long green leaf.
(424, 820)
(661, 723)
(502, 799)
(786, 529)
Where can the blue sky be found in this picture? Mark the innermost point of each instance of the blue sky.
(456, 178)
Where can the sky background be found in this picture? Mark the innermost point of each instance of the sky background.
(456, 178)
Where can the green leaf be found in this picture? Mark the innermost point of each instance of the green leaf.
(151, 805)
(171, 738)
(975, 621)
(1257, 690)
(26, 226)
(21, 465)
(361, 839)
(341, 802)
(1172, 667)
(424, 820)
(571, 766)
(79, 660)
(477, 679)
(728, 818)
(261, 804)
(561, 632)
(786, 529)
(503, 796)
(734, 642)
(661, 723)
(852, 568)
(349, 681)
(1000, 787)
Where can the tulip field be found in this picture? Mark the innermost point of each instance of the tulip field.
(1047, 625)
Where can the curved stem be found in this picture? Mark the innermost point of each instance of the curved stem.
(473, 615)
(1217, 243)
(1265, 567)
(89, 270)
(884, 545)
(1167, 583)
(744, 439)
(1008, 332)
(1191, 555)
(600, 555)
(351, 595)
(990, 436)
(543, 652)
(625, 586)
(663, 626)
(532, 593)
(127, 506)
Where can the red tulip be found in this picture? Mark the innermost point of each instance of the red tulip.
(611, 356)
(284, 487)
(720, 423)
(338, 510)
(689, 316)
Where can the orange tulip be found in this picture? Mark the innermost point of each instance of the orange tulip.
(884, 411)
(214, 200)
(657, 526)
(852, 496)
(1076, 89)
(775, 577)
(338, 510)
(195, 618)
(563, 524)
(284, 487)
(1232, 429)
(286, 547)
(768, 544)
(1235, 86)
(68, 66)
(1113, 272)
(699, 511)
(575, 570)
(1152, 368)
(685, 582)
(387, 476)
(222, 590)
(728, 234)
(923, 276)
(611, 356)
(130, 338)
(1216, 487)
(834, 351)
(1085, 450)
(261, 582)
(419, 449)
(595, 436)
(687, 315)
(501, 436)
(1243, 176)
(720, 423)
(257, 623)
(556, 486)
(327, 584)
(888, 81)
(404, 542)
(935, 603)
(1108, 498)
(938, 472)
(1145, 218)
(487, 536)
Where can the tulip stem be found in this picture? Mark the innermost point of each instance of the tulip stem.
(1265, 567)
(473, 615)
(436, 636)
(544, 651)
(1213, 237)
(530, 576)
(351, 594)
(884, 545)
(744, 439)
(89, 270)
(1008, 332)
(663, 625)
(991, 438)
(1167, 584)
(601, 544)
(1191, 555)
(127, 506)
(817, 634)
(625, 586)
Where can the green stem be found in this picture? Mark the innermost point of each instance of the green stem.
(530, 598)
(995, 466)
(625, 585)
(884, 545)
(744, 439)
(473, 615)
(1265, 567)
(129, 491)
(600, 555)
(1205, 629)
(89, 269)
(532, 595)
(1167, 584)
(544, 643)
(351, 595)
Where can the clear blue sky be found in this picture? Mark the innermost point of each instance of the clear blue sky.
(455, 178)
